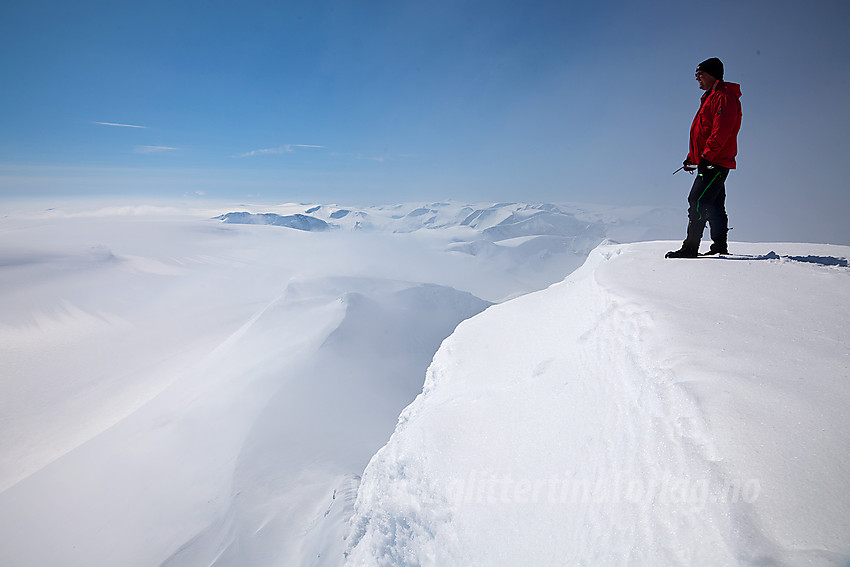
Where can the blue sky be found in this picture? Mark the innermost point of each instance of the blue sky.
(378, 102)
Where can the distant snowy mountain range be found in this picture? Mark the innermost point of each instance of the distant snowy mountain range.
(494, 222)
(529, 237)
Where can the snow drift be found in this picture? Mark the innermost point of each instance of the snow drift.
(642, 412)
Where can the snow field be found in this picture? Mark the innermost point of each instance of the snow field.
(174, 390)
(178, 391)
(642, 412)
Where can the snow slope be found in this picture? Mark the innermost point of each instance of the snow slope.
(179, 391)
(642, 412)
(183, 391)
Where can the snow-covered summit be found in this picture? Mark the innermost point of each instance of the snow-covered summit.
(296, 221)
(643, 412)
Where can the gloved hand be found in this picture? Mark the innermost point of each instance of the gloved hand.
(689, 167)
(705, 164)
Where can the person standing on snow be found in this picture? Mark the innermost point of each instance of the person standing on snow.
(713, 147)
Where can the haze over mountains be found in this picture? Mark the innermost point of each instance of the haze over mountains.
(205, 384)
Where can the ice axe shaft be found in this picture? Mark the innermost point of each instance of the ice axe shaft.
(680, 169)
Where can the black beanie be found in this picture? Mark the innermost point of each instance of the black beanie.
(713, 67)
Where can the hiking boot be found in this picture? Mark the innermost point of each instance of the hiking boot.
(682, 252)
(717, 249)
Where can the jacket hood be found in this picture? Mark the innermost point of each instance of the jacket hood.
(733, 89)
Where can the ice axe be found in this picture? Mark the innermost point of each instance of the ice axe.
(680, 169)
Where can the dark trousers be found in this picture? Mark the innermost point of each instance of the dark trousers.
(707, 204)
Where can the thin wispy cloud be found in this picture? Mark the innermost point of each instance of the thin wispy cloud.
(379, 159)
(119, 125)
(279, 150)
(152, 149)
(263, 151)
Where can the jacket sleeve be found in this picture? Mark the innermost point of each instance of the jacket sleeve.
(725, 118)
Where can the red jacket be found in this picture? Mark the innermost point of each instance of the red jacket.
(714, 133)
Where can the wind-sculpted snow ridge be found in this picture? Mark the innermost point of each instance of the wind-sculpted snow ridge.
(331, 416)
(642, 412)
